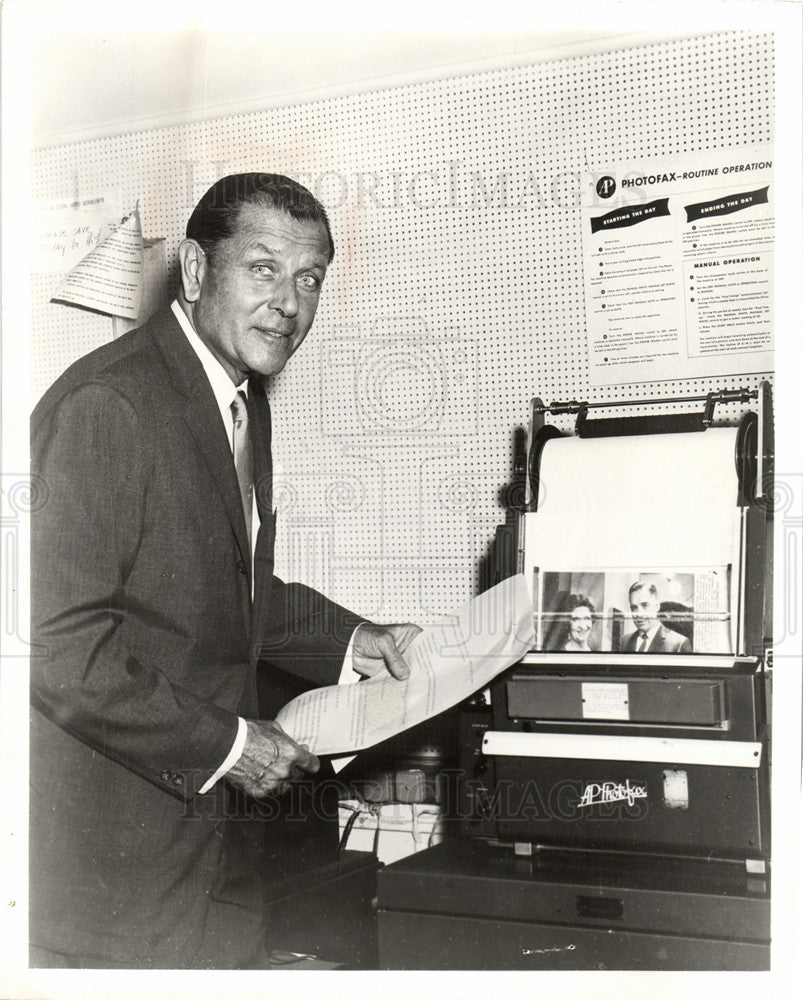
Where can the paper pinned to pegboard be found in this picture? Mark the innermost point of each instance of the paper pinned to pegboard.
(110, 278)
(65, 230)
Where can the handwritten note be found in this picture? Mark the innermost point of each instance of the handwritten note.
(66, 230)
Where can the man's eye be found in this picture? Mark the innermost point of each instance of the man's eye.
(309, 282)
(262, 270)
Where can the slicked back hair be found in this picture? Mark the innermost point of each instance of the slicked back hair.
(651, 589)
(215, 217)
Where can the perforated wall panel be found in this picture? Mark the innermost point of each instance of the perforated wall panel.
(455, 296)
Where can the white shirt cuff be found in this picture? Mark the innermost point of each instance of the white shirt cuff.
(347, 673)
(347, 676)
(233, 756)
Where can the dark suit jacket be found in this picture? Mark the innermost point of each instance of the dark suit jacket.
(141, 595)
(665, 640)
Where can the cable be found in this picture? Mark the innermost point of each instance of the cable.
(416, 814)
(376, 832)
(347, 829)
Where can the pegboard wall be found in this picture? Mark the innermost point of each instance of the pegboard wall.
(455, 296)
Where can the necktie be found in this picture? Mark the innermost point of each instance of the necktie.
(243, 458)
(642, 642)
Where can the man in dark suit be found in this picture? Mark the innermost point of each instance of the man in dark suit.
(154, 599)
(650, 635)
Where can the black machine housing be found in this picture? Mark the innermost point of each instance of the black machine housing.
(643, 807)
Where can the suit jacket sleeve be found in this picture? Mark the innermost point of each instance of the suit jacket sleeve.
(305, 633)
(84, 545)
(294, 627)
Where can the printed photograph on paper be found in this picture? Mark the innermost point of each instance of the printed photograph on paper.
(634, 611)
(572, 614)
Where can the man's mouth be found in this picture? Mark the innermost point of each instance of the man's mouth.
(273, 334)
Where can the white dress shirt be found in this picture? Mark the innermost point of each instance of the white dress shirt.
(225, 392)
(643, 644)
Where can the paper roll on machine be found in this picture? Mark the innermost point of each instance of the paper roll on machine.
(617, 750)
(612, 796)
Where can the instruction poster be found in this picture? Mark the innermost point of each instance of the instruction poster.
(678, 261)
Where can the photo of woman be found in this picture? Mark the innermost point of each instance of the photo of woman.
(581, 621)
(570, 620)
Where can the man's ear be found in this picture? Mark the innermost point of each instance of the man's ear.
(193, 266)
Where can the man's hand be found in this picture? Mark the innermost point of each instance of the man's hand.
(270, 759)
(381, 646)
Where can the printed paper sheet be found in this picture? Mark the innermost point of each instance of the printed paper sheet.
(448, 662)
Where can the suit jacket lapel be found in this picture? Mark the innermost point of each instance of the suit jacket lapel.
(210, 436)
(202, 416)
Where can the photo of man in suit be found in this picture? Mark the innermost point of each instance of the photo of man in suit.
(651, 636)
(154, 600)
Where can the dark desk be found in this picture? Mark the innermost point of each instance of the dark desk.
(327, 911)
(466, 904)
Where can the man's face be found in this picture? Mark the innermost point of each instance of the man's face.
(644, 609)
(253, 306)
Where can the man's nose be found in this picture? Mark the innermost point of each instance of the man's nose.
(284, 297)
